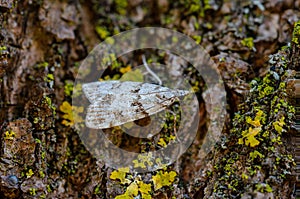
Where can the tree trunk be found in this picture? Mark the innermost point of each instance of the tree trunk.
(42, 44)
(295, 95)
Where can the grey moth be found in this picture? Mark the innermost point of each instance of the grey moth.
(114, 103)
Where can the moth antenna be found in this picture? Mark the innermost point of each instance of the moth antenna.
(150, 71)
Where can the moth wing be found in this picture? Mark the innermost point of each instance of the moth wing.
(119, 110)
(91, 90)
(115, 103)
(164, 92)
(95, 90)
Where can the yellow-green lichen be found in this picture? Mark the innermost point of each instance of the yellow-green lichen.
(102, 32)
(48, 101)
(9, 135)
(97, 190)
(3, 48)
(163, 178)
(29, 173)
(32, 191)
(71, 114)
(137, 187)
(120, 174)
(42, 174)
(256, 137)
(121, 6)
(131, 75)
(255, 154)
(68, 88)
(248, 136)
(48, 187)
(42, 65)
(162, 142)
(72, 91)
(134, 187)
(262, 187)
(296, 33)
(197, 39)
(248, 42)
(278, 125)
(197, 7)
(143, 160)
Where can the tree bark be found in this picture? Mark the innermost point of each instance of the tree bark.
(42, 44)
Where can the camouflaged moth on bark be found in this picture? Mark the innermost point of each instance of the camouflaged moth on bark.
(114, 103)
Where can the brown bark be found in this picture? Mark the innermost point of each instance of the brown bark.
(41, 45)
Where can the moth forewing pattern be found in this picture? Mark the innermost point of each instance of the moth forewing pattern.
(114, 103)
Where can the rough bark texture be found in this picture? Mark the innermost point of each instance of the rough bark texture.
(294, 93)
(41, 45)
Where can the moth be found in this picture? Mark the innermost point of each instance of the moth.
(114, 103)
